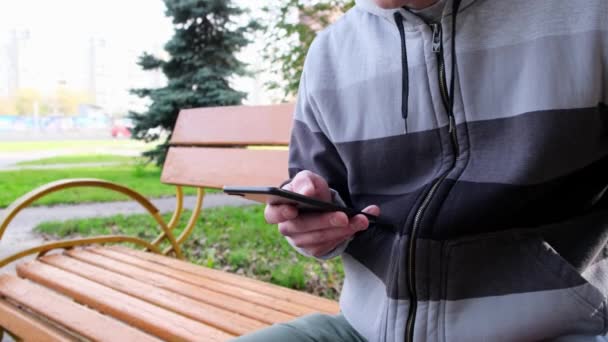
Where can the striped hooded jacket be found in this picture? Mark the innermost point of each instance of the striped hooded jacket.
(482, 134)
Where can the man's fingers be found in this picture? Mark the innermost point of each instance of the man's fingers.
(303, 185)
(280, 213)
(318, 250)
(321, 237)
(323, 249)
(318, 221)
(319, 233)
(361, 222)
(311, 222)
(310, 184)
(358, 222)
(372, 209)
(322, 191)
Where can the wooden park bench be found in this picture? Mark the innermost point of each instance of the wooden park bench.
(95, 289)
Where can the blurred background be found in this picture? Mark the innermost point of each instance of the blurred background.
(97, 69)
(92, 89)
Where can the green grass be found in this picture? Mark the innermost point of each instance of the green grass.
(144, 179)
(84, 145)
(232, 239)
(78, 159)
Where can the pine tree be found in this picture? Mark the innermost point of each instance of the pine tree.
(200, 64)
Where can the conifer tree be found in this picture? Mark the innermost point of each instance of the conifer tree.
(201, 60)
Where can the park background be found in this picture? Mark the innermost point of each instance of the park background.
(91, 89)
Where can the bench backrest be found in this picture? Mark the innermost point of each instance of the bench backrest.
(239, 145)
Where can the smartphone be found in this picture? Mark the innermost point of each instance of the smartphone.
(272, 195)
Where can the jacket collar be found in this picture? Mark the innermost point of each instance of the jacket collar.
(411, 19)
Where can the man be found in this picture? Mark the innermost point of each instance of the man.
(479, 129)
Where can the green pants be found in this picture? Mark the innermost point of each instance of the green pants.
(311, 328)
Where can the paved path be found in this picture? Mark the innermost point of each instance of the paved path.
(62, 166)
(19, 234)
(9, 159)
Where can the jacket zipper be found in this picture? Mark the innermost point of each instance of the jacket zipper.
(443, 87)
(437, 45)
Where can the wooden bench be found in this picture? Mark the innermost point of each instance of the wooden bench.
(94, 289)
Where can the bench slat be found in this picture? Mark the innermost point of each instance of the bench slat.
(216, 167)
(150, 318)
(222, 319)
(26, 326)
(254, 311)
(234, 125)
(211, 284)
(298, 297)
(65, 312)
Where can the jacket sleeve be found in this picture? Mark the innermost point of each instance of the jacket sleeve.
(311, 149)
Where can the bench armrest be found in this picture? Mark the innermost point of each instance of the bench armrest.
(166, 229)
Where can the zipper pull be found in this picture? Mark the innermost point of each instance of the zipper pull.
(451, 123)
(436, 37)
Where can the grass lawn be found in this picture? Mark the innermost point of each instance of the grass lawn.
(232, 239)
(85, 145)
(77, 159)
(145, 180)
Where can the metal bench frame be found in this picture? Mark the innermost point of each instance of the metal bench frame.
(154, 246)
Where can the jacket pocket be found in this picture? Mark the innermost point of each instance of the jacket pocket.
(513, 286)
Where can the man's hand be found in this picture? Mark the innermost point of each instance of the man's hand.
(315, 233)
